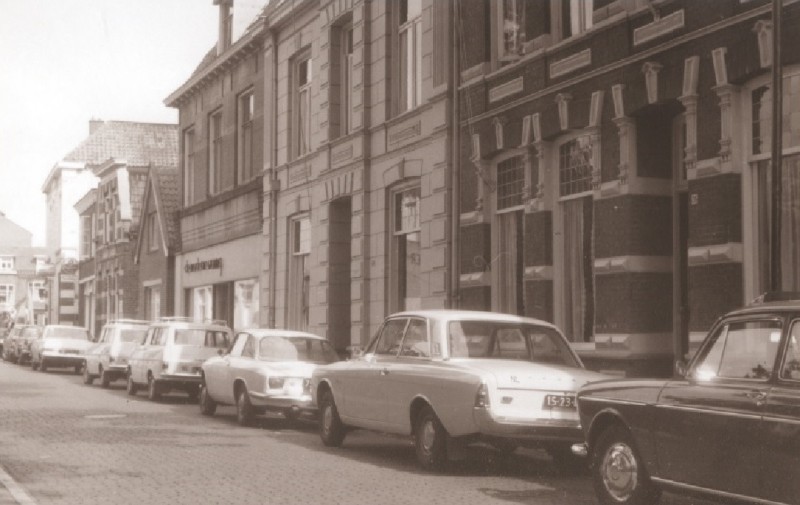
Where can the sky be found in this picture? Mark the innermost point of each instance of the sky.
(64, 62)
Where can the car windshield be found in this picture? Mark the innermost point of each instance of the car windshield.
(132, 334)
(506, 340)
(75, 333)
(296, 349)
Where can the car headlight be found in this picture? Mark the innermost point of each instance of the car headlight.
(275, 383)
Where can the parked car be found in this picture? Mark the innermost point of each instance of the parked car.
(107, 359)
(727, 427)
(3, 334)
(17, 346)
(171, 354)
(450, 377)
(59, 346)
(267, 369)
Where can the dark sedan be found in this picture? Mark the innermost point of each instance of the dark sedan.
(727, 428)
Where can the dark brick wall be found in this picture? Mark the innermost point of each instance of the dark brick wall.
(539, 299)
(475, 298)
(713, 290)
(633, 225)
(715, 214)
(539, 238)
(633, 303)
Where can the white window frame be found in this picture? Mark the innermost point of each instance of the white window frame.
(409, 43)
(301, 104)
(202, 303)
(398, 295)
(346, 64)
(7, 291)
(245, 304)
(298, 287)
(6, 264)
(189, 166)
(246, 142)
(505, 23)
(215, 152)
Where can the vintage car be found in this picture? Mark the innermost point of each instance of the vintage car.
(171, 354)
(266, 369)
(107, 359)
(450, 377)
(727, 427)
(60, 346)
(17, 343)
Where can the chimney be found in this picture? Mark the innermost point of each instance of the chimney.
(94, 124)
(225, 24)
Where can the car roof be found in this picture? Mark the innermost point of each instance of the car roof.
(477, 315)
(276, 332)
(65, 326)
(189, 325)
(767, 307)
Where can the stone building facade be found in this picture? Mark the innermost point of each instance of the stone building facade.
(614, 167)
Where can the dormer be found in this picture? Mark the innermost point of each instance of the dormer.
(225, 25)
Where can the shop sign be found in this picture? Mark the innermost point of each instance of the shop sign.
(203, 265)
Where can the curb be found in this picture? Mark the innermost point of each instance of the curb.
(18, 494)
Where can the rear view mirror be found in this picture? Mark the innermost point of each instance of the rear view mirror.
(681, 368)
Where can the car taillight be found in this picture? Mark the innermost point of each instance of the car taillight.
(275, 382)
(482, 397)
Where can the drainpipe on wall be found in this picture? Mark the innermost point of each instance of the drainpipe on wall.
(365, 183)
(777, 149)
(273, 182)
(454, 165)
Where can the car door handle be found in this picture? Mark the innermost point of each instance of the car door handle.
(384, 371)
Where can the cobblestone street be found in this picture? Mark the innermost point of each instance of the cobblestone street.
(65, 443)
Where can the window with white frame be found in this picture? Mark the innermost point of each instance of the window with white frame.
(510, 182)
(301, 104)
(7, 295)
(759, 95)
(215, 152)
(189, 174)
(410, 54)
(152, 302)
(405, 279)
(38, 290)
(245, 304)
(202, 300)
(507, 237)
(577, 18)
(6, 263)
(86, 237)
(574, 166)
(298, 301)
(511, 28)
(246, 165)
(346, 83)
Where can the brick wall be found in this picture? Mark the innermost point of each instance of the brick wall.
(633, 225)
(539, 299)
(633, 303)
(715, 214)
(713, 290)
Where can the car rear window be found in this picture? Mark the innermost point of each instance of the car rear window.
(296, 349)
(202, 338)
(514, 341)
(132, 334)
(74, 333)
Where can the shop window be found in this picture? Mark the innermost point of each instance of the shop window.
(189, 174)
(202, 300)
(246, 165)
(301, 105)
(299, 280)
(215, 152)
(507, 237)
(405, 281)
(409, 42)
(510, 182)
(245, 304)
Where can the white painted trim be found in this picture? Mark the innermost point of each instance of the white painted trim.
(720, 253)
(636, 264)
(571, 63)
(539, 273)
(506, 89)
(658, 28)
(475, 279)
(151, 283)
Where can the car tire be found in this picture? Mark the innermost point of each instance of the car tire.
(153, 389)
(105, 379)
(193, 392)
(331, 429)
(566, 462)
(430, 440)
(42, 365)
(618, 473)
(78, 369)
(88, 379)
(207, 404)
(34, 365)
(131, 386)
(244, 409)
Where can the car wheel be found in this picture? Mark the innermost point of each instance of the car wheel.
(566, 462)
(87, 377)
(43, 365)
(618, 473)
(153, 389)
(244, 409)
(78, 369)
(331, 429)
(105, 379)
(207, 404)
(131, 387)
(430, 440)
(193, 392)
(34, 365)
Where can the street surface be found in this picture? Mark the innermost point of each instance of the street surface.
(62, 442)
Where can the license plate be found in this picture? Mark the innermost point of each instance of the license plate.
(559, 402)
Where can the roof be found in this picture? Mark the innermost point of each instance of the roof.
(139, 144)
(162, 183)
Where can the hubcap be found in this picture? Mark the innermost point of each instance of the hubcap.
(428, 435)
(327, 419)
(620, 471)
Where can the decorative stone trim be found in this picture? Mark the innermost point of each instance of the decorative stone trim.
(619, 103)
(526, 131)
(635, 186)
(340, 154)
(475, 279)
(539, 273)
(691, 67)
(658, 28)
(471, 218)
(633, 264)
(499, 122)
(562, 101)
(339, 186)
(475, 72)
(763, 31)
(720, 67)
(720, 253)
(650, 70)
(726, 93)
(571, 63)
(705, 168)
(596, 109)
(507, 89)
(401, 133)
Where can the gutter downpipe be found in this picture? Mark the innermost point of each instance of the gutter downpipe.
(453, 296)
(274, 183)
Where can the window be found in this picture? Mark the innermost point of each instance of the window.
(152, 302)
(416, 342)
(299, 280)
(247, 106)
(86, 237)
(510, 182)
(574, 166)
(301, 105)
(245, 303)
(790, 369)
(7, 295)
(202, 306)
(249, 350)
(740, 350)
(6, 263)
(38, 291)
(406, 283)
(189, 175)
(410, 54)
(152, 231)
(215, 152)
(388, 343)
(512, 28)
(577, 18)
(346, 84)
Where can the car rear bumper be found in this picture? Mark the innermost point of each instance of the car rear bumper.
(545, 430)
(179, 379)
(280, 402)
(55, 359)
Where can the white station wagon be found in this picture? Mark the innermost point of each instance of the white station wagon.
(451, 377)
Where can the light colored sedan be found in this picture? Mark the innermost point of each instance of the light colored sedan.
(60, 346)
(266, 369)
(452, 377)
(107, 359)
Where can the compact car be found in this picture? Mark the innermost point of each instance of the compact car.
(171, 354)
(451, 377)
(107, 359)
(266, 369)
(59, 346)
(17, 342)
(726, 427)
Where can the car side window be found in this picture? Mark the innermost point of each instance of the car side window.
(391, 335)
(741, 350)
(161, 336)
(417, 341)
(217, 339)
(249, 350)
(148, 337)
(238, 345)
(790, 369)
